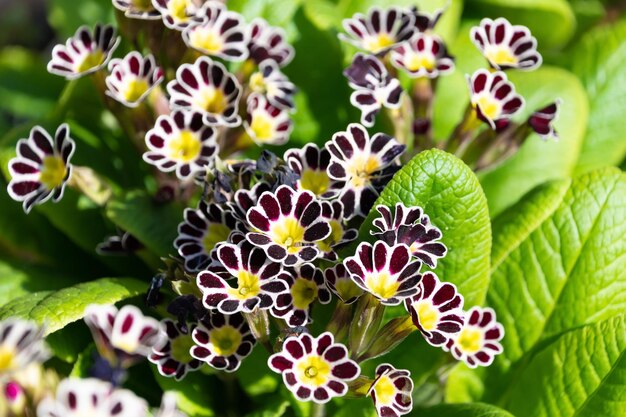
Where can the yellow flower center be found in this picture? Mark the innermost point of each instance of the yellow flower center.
(378, 42)
(181, 347)
(427, 313)
(53, 171)
(134, 89)
(415, 62)
(263, 127)
(470, 340)
(304, 292)
(313, 370)
(7, 359)
(125, 342)
(91, 60)
(500, 55)
(489, 106)
(248, 286)
(382, 284)
(257, 83)
(211, 100)
(385, 390)
(185, 147)
(336, 233)
(360, 168)
(315, 181)
(206, 39)
(142, 4)
(216, 233)
(225, 341)
(178, 9)
(288, 233)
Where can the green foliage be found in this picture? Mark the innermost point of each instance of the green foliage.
(463, 410)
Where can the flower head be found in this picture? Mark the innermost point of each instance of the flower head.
(478, 341)
(206, 87)
(244, 199)
(21, 343)
(222, 341)
(380, 30)
(42, 167)
(506, 45)
(201, 231)
(374, 87)
(268, 43)
(409, 225)
(272, 83)
(181, 142)
(84, 53)
(362, 163)
(387, 272)
(122, 336)
(287, 225)
(266, 124)
(541, 121)
(258, 280)
(305, 286)
(137, 9)
(178, 14)
(493, 96)
(437, 310)
(333, 213)
(171, 353)
(132, 78)
(91, 397)
(222, 33)
(424, 21)
(314, 369)
(391, 391)
(311, 163)
(339, 283)
(424, 55)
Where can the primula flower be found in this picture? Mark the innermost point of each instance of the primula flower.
(387, 272)
(201, 231)
(222, 33)
(437, 310)
(391, 391)
(333, 213)
(266, 124)
(42, 167)
(122, 336)
(339, 283)
(21, 343)
(506, 45)
(493, 96)
(178, 14)
(205, 86)
(424, 55)
(380, 30)
(171, 354)
(275, 85)
(132, 78)
(314, 369)
(259, 280)
(478, 341)
(84, 53)
(311, 164)
(362, 163)
(409, 225)
(287, 225)
(424, 21)
(222, 341)
(268, 43)
(137, 9)
(181, 142)
(374, 87)
(305, 286)
(244, 199)
(541, 121)
(91, 397)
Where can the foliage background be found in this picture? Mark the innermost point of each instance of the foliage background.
(556, 211)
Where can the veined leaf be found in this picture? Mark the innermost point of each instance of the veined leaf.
(462, 410)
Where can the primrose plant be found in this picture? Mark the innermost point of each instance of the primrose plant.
(263, 244)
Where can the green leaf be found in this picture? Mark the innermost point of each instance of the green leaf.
(560, 266)
(59, 308)
(462, 410)
(599, 60)
(193, 394)
(551, 22)
(450, 194)
(152, 224)
(275, 407)
(84, 362)
(67, 15)
(254, 377)
(582, 374)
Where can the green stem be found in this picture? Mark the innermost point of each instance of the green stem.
(318, 410)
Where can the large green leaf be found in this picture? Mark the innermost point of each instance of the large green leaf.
(194, 394)
(599, 60)
(582, 374)
(462, 410)
(450, 194)
(59, 308)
